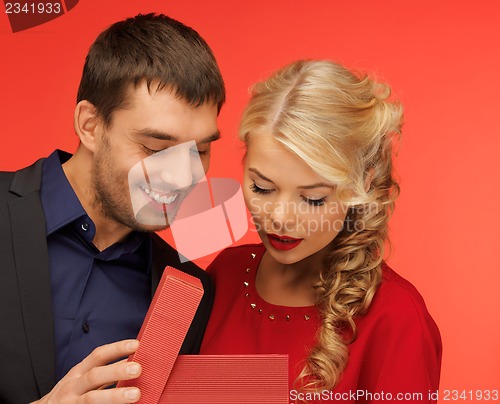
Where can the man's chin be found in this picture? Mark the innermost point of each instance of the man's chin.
(149, 228)
(148, 219)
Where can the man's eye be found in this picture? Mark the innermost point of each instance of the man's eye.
(197, 152)
(150, 151)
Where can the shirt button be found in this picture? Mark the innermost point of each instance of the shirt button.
(85, 328)
(85, 226)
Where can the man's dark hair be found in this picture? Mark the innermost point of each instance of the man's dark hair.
(151, 48)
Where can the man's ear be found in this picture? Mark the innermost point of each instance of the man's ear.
(87, 124)
(369, 178)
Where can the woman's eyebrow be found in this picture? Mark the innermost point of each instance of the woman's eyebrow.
(312, 186)
(254, 170)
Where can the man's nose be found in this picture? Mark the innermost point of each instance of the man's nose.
(177, 170)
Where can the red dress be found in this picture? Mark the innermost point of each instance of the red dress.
(397, 352)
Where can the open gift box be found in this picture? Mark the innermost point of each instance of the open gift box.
(169, 378)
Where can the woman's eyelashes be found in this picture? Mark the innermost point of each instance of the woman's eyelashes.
(263, 191)
(258, 190)
(315, 202)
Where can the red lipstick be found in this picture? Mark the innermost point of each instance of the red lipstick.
(283, 242)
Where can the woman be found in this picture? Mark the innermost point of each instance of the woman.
(318, 182)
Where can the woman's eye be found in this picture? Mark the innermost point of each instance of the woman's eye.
(259, 190)
(315, 202)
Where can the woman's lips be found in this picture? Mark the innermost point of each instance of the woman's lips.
(283, 242)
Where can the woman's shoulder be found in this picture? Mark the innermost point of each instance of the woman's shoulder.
(394, 288)
(397, 337)
(399, 305)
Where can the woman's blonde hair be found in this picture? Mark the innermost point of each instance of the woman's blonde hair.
(342, 125)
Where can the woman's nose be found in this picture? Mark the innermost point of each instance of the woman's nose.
(282, 214)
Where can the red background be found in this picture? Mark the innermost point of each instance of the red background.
(442, 60)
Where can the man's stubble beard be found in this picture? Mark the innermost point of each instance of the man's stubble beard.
(106, 186)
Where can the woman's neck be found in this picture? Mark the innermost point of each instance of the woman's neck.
(289, 284)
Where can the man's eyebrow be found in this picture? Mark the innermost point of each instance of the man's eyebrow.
(155, 134)
(312, 186)
(171, 138)
(211, 138)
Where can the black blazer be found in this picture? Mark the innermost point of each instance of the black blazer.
(27, 348)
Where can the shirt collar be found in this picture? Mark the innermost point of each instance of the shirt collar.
(61, 207)
(59, 201)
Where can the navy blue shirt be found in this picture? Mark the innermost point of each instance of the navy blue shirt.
(98, 297)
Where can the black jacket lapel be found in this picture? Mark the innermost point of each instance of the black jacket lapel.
(163, 255)
(32, 265)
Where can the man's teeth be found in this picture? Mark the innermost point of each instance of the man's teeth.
(160, 198)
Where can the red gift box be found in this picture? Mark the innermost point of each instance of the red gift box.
(169, 378)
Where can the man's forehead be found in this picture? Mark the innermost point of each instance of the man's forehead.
(156, 87)
(162, 115)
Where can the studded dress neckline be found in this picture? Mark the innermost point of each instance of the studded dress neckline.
(235, 328)
(412, 347)
(261, 307)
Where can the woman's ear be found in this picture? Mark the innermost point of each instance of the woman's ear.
(369, 178)
(87, 124)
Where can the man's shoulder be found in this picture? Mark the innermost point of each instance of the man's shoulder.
(20, 182)
(6, 180)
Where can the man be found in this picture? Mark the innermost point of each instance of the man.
(78, 265)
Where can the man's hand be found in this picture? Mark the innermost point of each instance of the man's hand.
(84, 383)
